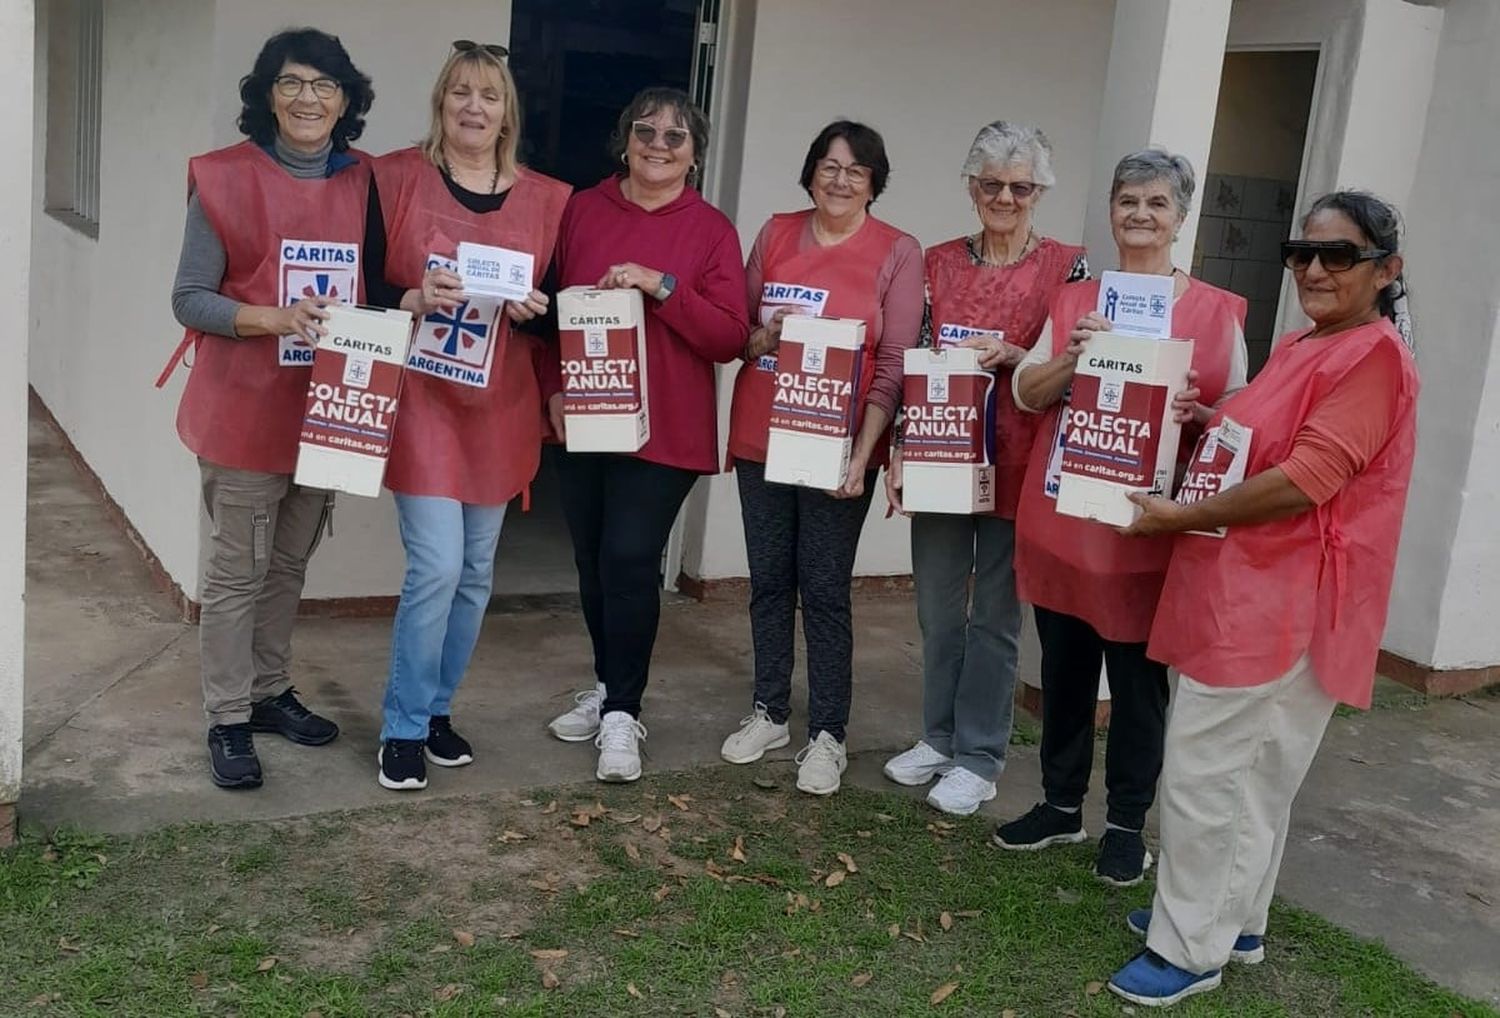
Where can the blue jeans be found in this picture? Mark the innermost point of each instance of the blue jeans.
(969, 655)
(450, 564)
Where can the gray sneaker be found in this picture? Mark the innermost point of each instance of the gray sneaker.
(582, 722)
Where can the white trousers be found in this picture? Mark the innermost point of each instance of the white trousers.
(1235, 759)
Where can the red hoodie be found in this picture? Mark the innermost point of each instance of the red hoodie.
(702, 323)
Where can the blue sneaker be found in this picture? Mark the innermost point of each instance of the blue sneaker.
(1150, 980)
(1248, 948)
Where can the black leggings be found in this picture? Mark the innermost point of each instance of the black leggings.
(620, 511)
(1072, 653)
(801, 541)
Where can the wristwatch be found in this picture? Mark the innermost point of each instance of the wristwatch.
(668, 284)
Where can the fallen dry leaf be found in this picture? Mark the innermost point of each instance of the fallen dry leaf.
(848, 861)
(581, 819)
(626, 933)
(861, 978)
(633, 851)
(945, 921)
(527, 802)
(864, 834)
(550, 954)
(915, 935)
(551, 807)
(440, 949)
(884, 818)
(969, 913)
(1094, 988)
(541, 885)
(1009, 1012)
(508, 836)
(835, 878)
(719, 1012)
(737, 853)
(680, 801)
(508, 935)
(550, 980)
(630, 989)
(266, 964)
(765, 783)
(661, 893)
(198, 980)
(215, 928)
(464, 938)
(894, 929)
(68, 946)
(624, 818)
(651, 825)
(598, 809)
(447, 992)
(942, 993)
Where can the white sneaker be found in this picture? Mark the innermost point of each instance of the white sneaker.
(820, 764)
(619, 754)
(757, 734)
(917, 765)
(582, 722)
(961, 792)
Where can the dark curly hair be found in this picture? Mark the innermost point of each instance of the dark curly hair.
(315, 49)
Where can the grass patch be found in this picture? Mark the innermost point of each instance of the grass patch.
(693, 894)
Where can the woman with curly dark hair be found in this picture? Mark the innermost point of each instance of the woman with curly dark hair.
(273, 235)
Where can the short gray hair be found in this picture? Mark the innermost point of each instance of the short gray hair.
(1005, 144)
(1153, 164)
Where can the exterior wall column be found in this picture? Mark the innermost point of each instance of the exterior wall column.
(1441, 635)
(1161, 88)
(17, 26)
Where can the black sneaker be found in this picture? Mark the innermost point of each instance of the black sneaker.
(286, 716)
(231, 757)
(1042, 827)
(445, 747)
(1123, 858)
(401, 765)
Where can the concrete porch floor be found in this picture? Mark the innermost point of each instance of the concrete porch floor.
(1396, 835)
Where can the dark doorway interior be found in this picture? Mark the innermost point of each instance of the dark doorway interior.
(576, 64)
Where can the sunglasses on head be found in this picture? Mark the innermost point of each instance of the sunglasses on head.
(1333, 255)
(494, 49)
(672, 137)
(1020, 190)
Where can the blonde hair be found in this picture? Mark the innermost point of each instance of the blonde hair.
(509, 141)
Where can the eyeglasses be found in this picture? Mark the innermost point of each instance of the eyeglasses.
(494, 49)
(1020, 190)
(856, 174)
(1334, 255)
(289, 86)
(672, 137)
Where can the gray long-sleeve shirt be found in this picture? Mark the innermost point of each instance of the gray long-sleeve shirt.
(196, 300)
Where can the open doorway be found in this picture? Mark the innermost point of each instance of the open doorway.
(576, 64)
(1250, 187)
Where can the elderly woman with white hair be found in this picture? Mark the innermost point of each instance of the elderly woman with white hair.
(989, 290)
(1094, 590)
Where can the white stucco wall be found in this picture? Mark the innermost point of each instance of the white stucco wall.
(15, 232)
(1448, 573)
(101, 318)
(927, 76)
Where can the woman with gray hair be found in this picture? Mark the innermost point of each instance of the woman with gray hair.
(1095, 590)
(988, 290)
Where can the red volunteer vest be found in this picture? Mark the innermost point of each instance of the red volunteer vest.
(474, 435)
(242, 407)
(849, 272)
(1240, 610)
(1086, 569)
(1011, 298)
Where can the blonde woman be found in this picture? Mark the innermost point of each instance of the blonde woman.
(469, 436)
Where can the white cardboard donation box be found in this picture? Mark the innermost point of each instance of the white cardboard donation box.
(602, 334)
(1117, 432)
(352, 399)
(817, 390)
(947, 433)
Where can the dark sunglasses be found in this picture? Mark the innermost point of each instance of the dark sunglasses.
(672, 137)
(1334, 255)
(1020, 190)
(494, 49)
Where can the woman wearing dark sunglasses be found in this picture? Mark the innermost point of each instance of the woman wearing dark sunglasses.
(838, 261)
(253, 304)
(1093, 591)
(469, 435)
(647, 228)
(1276, 623)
